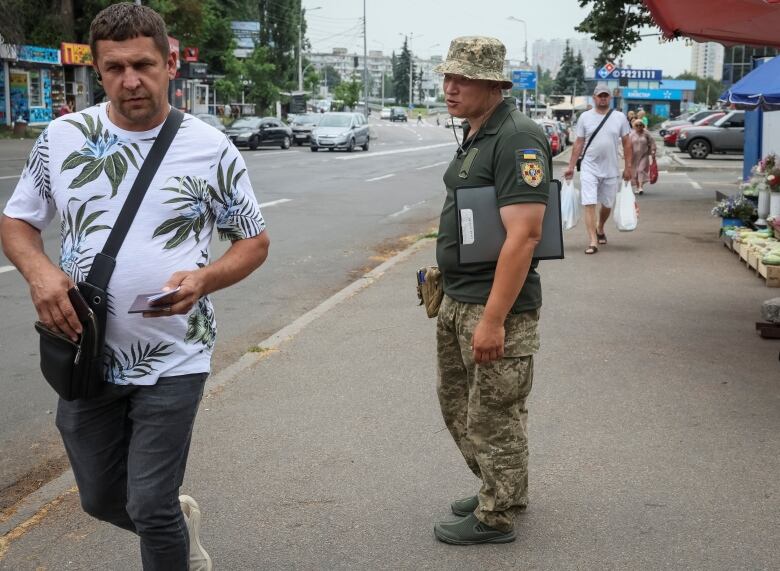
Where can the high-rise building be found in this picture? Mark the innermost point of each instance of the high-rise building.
(707, 60)
(738, 61)
(548, 54)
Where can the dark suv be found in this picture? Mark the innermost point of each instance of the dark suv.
(254, 132)
(398, 114)
(726, 135)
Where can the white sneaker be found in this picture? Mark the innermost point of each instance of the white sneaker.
(199, 559)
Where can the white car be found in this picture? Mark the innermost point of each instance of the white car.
(453, 122)
(384, 113)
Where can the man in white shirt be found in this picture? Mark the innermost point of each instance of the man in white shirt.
(600, 172)
(128, 445)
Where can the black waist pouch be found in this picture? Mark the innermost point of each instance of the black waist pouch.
(75, 369)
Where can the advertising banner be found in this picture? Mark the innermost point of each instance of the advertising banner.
(76, 54)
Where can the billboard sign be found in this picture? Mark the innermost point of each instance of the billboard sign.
(247, 35)
(75, 54)
(653, 94)
(609, 71)
(523, 79)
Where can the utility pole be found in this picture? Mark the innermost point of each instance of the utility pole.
(411, 71)
(300, 47)
(365, 62)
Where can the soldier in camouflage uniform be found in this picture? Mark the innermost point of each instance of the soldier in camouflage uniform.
(487, 324)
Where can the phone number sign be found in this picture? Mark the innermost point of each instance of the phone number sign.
(611, 72)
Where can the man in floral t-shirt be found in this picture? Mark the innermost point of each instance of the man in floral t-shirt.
(129, 445)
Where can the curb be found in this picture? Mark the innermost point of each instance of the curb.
(26, 509)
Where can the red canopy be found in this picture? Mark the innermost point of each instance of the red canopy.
(751, 22)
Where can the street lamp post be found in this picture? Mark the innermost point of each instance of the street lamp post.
(409, 37)
(525, 50)
(300, 47)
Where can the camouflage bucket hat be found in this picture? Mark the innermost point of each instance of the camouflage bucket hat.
(476, 57)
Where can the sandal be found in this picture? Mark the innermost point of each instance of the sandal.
(602, 238)
(591, 250)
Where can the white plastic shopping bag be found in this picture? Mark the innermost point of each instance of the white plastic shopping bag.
(570, 205)
(625, 213)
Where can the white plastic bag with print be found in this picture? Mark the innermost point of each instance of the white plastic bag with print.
(570, 205)
(625, 213)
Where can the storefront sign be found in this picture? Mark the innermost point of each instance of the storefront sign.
(37, 54)
(653, 94)
(76, 54)
(190, 54)
(609, 71)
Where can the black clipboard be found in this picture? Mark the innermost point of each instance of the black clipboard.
(481, 232)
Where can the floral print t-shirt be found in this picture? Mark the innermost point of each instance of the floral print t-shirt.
(82, 168)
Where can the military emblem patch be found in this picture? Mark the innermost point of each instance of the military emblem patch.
(532, 173)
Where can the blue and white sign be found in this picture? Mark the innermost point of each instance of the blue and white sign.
(653, 94)
(37, 54)
(523, 79)
(611, 72)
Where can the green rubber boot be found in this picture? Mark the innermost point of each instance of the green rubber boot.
(465, 506)
(470, 531)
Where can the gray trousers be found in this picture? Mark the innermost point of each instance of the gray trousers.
(128, 448)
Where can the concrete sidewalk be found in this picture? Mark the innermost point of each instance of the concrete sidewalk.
(653, 423)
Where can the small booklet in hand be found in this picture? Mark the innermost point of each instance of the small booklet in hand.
(156, 301)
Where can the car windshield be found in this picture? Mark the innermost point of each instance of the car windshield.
(709, 119)
(336, 121)
(246, 123)
(725, 119)
(305, 120)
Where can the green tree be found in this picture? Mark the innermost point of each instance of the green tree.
(615, 25)
(544, 81)
(349, 92)
(389, 85)
(402, 67)
(260, 73)
(280, 21)
(571, 76)
(707, 89)
(331, 76)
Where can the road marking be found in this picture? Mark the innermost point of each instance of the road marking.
(380, 177)
(398, 151)
(406, 208)
(4, 269)
(431, 166)
(275, 202)
(9, 177)
(695, 184)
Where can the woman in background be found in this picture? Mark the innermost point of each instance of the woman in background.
(644, 149)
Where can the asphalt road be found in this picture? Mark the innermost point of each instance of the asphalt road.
(653, 426)
(330, 216)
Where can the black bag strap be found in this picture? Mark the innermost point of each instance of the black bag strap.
(596, 132)
(104, 262)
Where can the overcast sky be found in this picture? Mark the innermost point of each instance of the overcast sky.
(337, 24)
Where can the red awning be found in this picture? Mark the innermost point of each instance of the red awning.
(730, 22)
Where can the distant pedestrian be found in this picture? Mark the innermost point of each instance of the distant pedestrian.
(419, 118)
(643, 155)
(128, 444)
(227, 111)
(487, 330)
(642, 115)
(599, 131)
(631, 116)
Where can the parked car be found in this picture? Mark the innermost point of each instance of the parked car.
(453, 122)
(726, 135)
(554, 136)
(686, 120)
(398, 114)
(341, 131)
(254, 132)
(670, 138)
(384, 113)
(212, 120)
(302, 127)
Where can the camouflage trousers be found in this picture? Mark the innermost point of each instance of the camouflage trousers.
(484, 406)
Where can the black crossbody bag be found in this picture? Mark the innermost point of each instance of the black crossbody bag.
(604, 120)
(75, 369)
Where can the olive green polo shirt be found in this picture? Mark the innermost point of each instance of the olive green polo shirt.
(509, 152)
